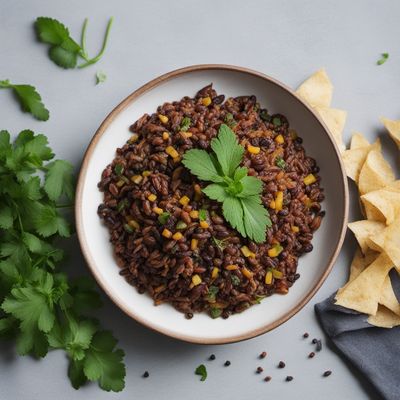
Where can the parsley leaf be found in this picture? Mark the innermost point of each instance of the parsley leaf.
(201, 164)
(280, 162)
(29, 99)
(202, 371)
(383, 59)
(215, 192)
(185, 124)
(59, 180)
(255, 218)
(203, 215)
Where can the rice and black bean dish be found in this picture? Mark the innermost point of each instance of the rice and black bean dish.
(172, 241)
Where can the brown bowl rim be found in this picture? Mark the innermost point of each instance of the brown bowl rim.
(78, 204)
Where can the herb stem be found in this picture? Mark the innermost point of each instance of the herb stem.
(64, 205)
(83, 40)
(103, 48)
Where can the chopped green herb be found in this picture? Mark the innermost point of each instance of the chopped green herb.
(122, 204)
(128, 228)
(383, 59)
(100, 77)
(119, 169)
(280, 162)
(229, 120)
(185, 124)
(202, 215)
(181, 225)
(239, 193)
(202, 371)
(277, 121)
(212, 292)
(28, 98)
(258, 299)
(220, 243)
(163, 218)
(235, 280)
(264, 115)
(215, 312)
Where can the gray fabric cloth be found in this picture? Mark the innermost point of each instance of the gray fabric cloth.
(375, 352)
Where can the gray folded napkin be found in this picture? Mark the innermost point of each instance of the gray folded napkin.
(375, 352)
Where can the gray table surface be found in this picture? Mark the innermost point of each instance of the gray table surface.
(285, 39)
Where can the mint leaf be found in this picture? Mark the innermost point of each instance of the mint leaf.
(228, 151)
(201, 164)
(202, 371)
(256, 218)
(233, 213)
(215, 192)
(59, 180)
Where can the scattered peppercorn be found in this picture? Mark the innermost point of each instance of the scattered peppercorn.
(289, 378)
(314, 341)
(212, 357)
(263, 354)
(327, 373)
(319, 345)
(146, 374)
(311, 355)
(306, 335)
(227, 363)
(267, 378)
(189, 315)
(259, 370)
(281, 364)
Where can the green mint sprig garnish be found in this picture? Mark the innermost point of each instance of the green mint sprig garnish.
(64, 51)
(28, 98)
(40, 307)
(239, 193)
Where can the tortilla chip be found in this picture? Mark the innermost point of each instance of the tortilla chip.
(393, 127)
(381, 205)
(334, 120)
(363, 230)
(363, 293)
(317, 89)
(360, 262)
(388, 298)
(375, 174)
(358, 141)
(384, 318)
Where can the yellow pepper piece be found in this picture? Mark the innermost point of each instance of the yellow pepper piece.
(268, 278)
(295, 228)
(146, 173)
(177, 236)
(215, 273)
(206, 101)
(194, 214)
(158, 210)
(165, 135)
(248, 274)
(166, 233)
(172, 152)
(196, 280)
(163, 118)
(247, 252)
(120, 183)
(231, 267)
(309, 179)
(187, 135)
(277, 274)
(279, 201)
(133, 224)
(136, 179)
(253, 149)
(275, 251)
(272, 204)
(279, 139)
(184, 200)
(134, 138)
(204, 224)
(152, 197)
(193, 244)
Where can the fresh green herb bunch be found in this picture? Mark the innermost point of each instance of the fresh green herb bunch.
(239, 193)
(40, 307)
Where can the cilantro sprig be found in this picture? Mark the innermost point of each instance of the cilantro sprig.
(40, 307)
(383, 59)
(29, 99)
(64, 51)
(238, 192)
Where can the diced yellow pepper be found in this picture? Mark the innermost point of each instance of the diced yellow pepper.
(309, 179)
(215, 273)
(248, 274)
(120, 183)
(134, 138)
(204, 224)
(177, 236)
(275, 251)
(193, 244)
(166, 233)
(163, 118)
(194, 214)
(136, 179)
(172, 152)
(279, 201)
(146, 173)
(268, 278)
(184, 200)
(279, 139)
(231, 267)
(196, 280)
(247, 252)
(158, 210)
(133, 224)
(152, 197)
(253, 149)
(295, 228)
(206, 101)
(187, 135)
(165, 135)
(277, 274)
(272, 204)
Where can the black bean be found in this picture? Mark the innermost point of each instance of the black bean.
(311, 355)
(259, 370)
(306, 335)
(281, 364)
(263, 354)
(289, 378)
(212, 357)
(146, 374)
(227, 363)
(319, 345)
(267, 378)
(327, 373)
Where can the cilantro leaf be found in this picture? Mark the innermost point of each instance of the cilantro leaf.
(48, 222)
(383, 59)
(202, 371)
(280, 162)
(76, 374)
(201, 164)
(240, 173)
(227, 149)
(100, 77)
(215, 192)
(32, 341)
(233, 213)
(255, 218)
(185, 124)
(251, 186)
(59, 180)
(29, 99)
(203, 214)
(6, 217)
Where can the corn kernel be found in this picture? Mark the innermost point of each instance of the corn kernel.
(215, 273)
(275, 251)
(187, 135)
(247, 252)
(152, 197)
(248, 274)
(165, 135)
(295, 228)
(277, 274)
(158, 210)
(309, 179)
(166, 233)
(163, 118)
(268, 278)
(253, 149)
(204, 224)
(177, 236)
(272, 204)
(133, 224)
(231, 267)
(206, 101)
(172, 152)
(184, 200)
(120, 183)
(196, 280)
(193, 244)
(136, 179)
(279, 139)
(134, 138)
(194, 214)
(279, 201)
(146, 173)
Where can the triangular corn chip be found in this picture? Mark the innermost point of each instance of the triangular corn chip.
(358, 141)
(363, 230)
(393, 127)
(384, 318)
(388, 298)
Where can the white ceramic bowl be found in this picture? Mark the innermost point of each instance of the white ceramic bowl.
(314, 267)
